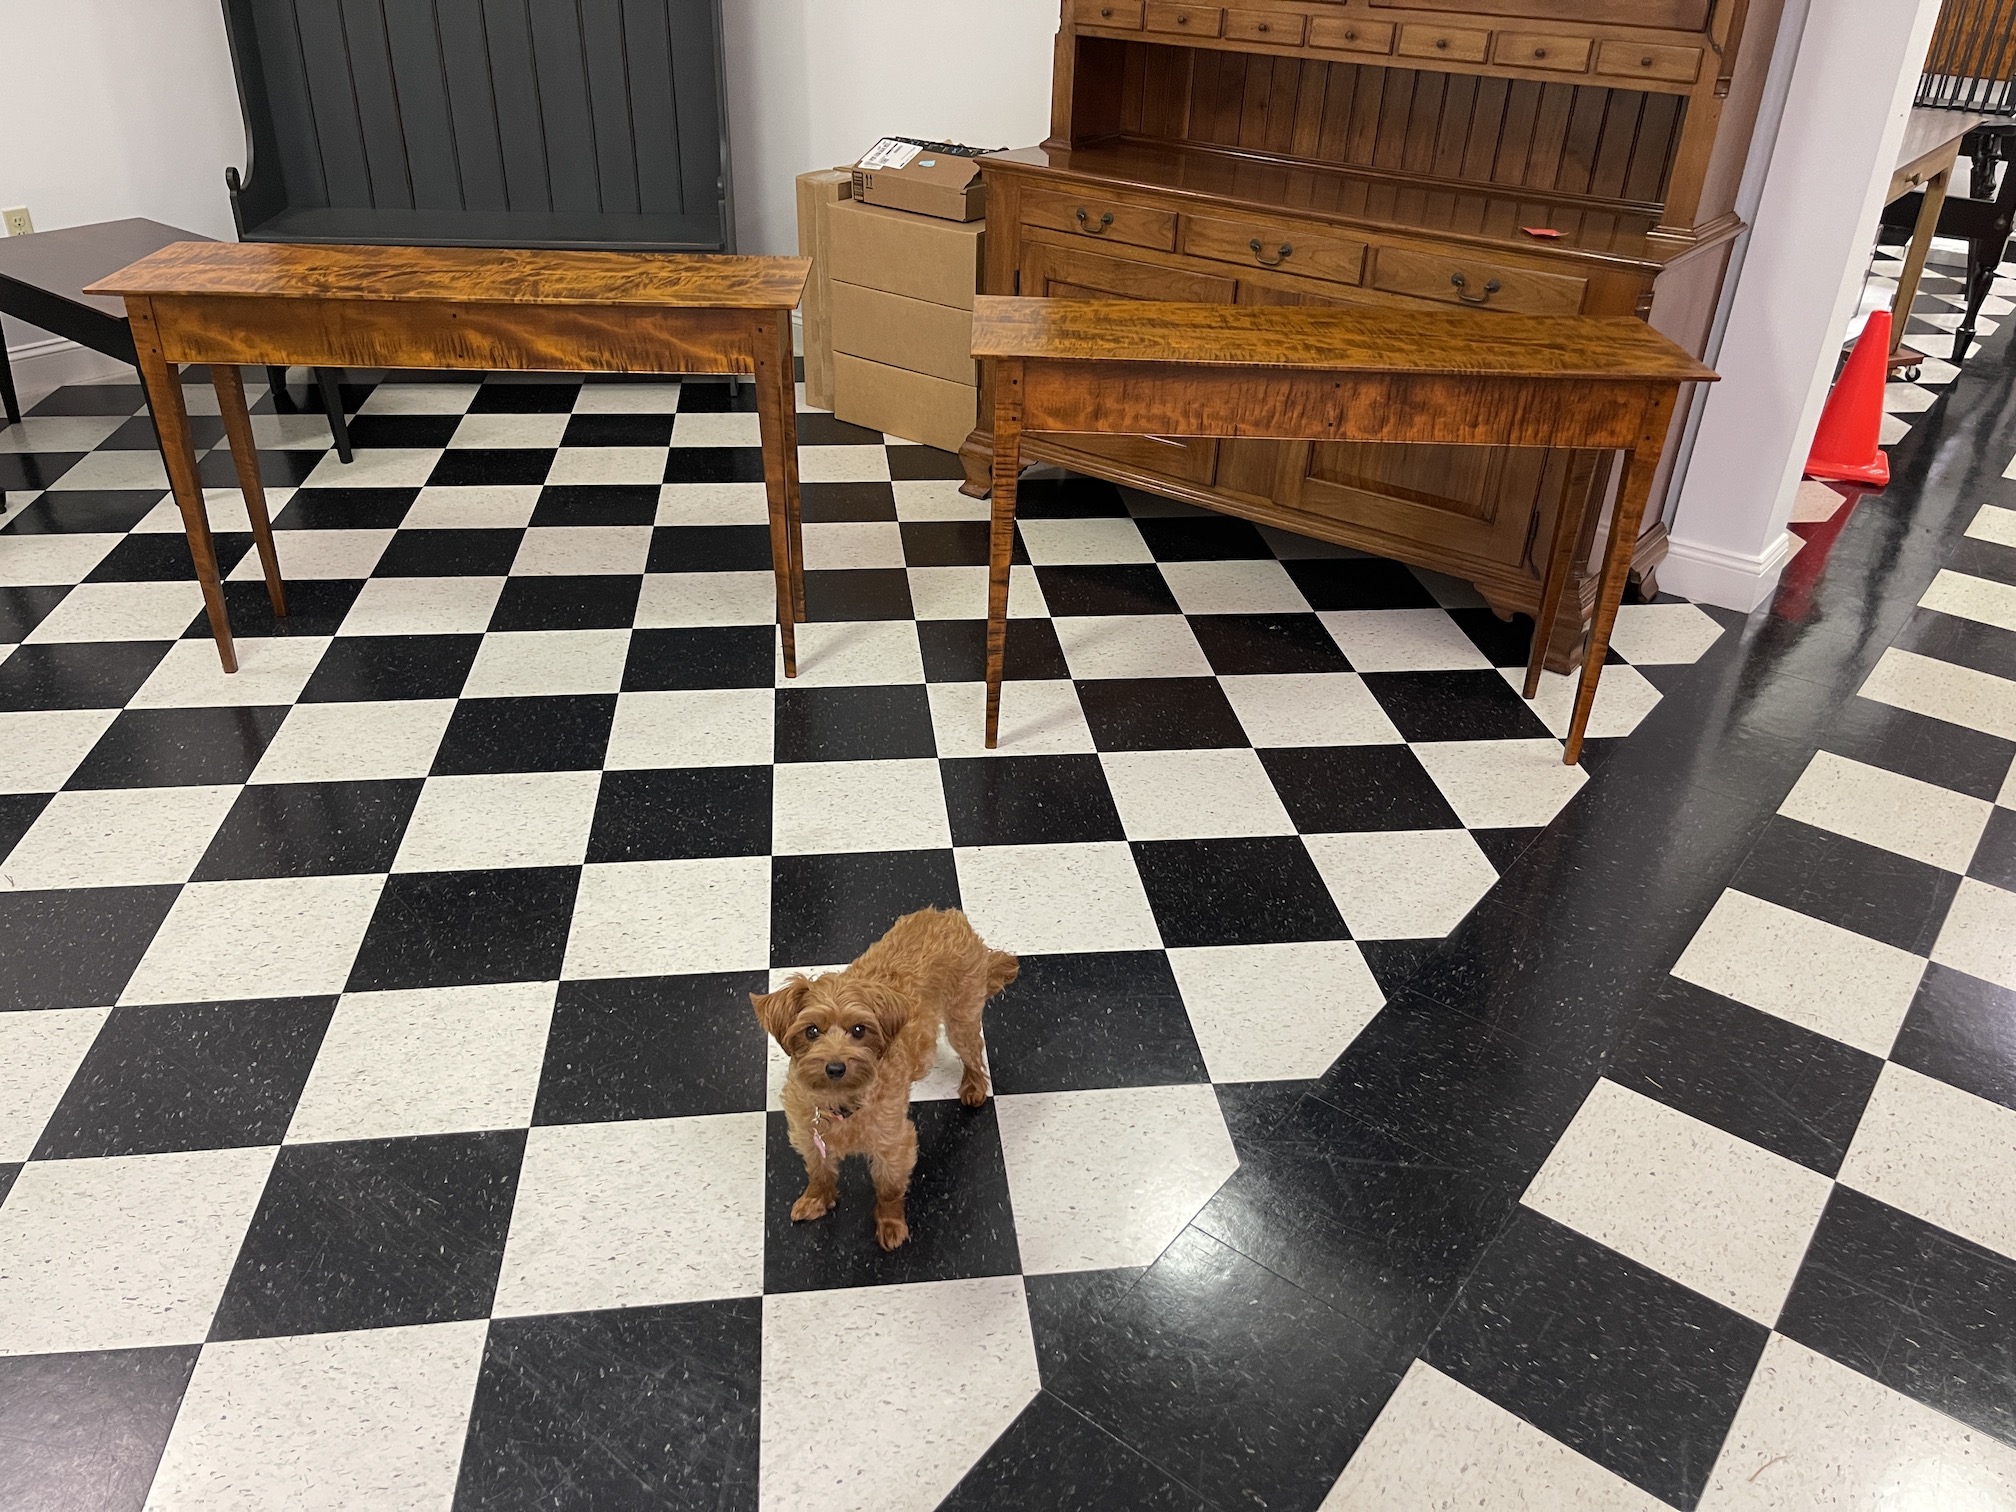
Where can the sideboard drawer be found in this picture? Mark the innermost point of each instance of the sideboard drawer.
(1092, 216)
(1282, 28)
(1645, 60)
(1456, 278)
(1450, 43)
(1351, 35)
(1185, 20)
(1275, 244)
(1120, 15)
(1531, 50)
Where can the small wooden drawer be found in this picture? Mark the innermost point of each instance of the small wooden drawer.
(1119, 15)
(1352, 35)
(1291, 249)
(1450, 43)
(1282, 28)
(1185, 20)
(1645, 60)
(1456, 278)
(1101, 219)
(1568, 54)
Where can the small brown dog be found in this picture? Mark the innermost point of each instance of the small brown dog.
(858, 1038)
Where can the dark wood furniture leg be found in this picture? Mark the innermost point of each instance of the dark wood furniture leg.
(1567, 529)
(1001, 533)
(230, 387)
(171, 420)
(777, 414)
(332, 406)
(8, 398)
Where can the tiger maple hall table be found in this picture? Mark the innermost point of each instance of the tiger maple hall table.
(1294, 373)
(227, 304)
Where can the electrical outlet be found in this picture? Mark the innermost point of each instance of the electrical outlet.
(19, 221)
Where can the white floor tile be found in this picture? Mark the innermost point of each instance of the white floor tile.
(1038, 718)
(1109, 1178)
(627, 399)
(935, 1372)
(223, 507)
(1496, 784)
(374, 1419)
(271, 670)
(434, 1061)
(339, 742)
(1979, 936)
(419, 399)
(509, 431)
(668, 918)
(120, 1254)
(277, 937)
(1813, 1433)
(1878, 807)
(117, 837)
(854, 653)
(939, 593)
(1945, 1155)
(840, 464)
(500, 819)
(636, 1214)
(1649, 634)
(1402, 640)
(1275, 1012)
(1309, 709)
(39, 1053)
(1814, 974)
(58, 433)
(1974, 598)
(718, 429)
(1943, 690)
(1907, 399)
(671, 600)
(635, 466)
(937, 499)
(44, 746)
(1402, 884)
(1437, 1446)
(55, 560)
(822, 807)
(1623, 698)
(309, 432)
(1131, 645)
(1077, 543)
(310, 554)
(120, 611)
(692, 728)
(1716, 1213)
(713, 504)
(1993, 523)
(133, 470)
(853, 544)
(374, 467)
(1238, 587)
(1054, 899)
(500, 506)
(582, 550)
(1193, 795)
(540, 662)
(423, 606)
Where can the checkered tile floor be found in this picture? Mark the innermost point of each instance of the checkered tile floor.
(1935, 315)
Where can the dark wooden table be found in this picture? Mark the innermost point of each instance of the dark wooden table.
(228, 304)
(1925, 160)
(1145, 368)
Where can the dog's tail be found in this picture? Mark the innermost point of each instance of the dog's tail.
(1002, 968)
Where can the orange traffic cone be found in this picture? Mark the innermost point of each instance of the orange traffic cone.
(1844, 448)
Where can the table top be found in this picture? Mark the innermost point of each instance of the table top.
(1928, 133)
(465, 275)
(63, 262)
(1362, 340)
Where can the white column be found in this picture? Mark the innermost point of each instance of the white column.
(1850, 92)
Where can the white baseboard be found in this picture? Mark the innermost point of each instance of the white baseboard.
(41, 367)
(1729, 579)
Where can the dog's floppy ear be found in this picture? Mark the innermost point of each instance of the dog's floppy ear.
(775, 1010)
(891, 1009)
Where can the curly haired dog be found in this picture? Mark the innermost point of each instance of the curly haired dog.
(858, 1038)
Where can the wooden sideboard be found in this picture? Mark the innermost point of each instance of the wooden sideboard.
(1347, 152)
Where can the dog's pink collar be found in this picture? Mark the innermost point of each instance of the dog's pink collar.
(838, 1114)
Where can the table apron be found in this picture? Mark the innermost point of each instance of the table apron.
(435, 334)
(1130, 398)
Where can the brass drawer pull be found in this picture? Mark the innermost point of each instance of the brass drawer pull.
(1463, 293)
(1085, 222)
(1287, 251)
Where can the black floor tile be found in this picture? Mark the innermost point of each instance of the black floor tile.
(1614, 1360)
(1054, 1459)
(860, 593)
(1029, 800)
(1331, 789)
(597, 503)
(315, 607)
(22, 609)
(825, 909)
(712, 656)
(710, 548)
(18, 812)
(952, 543)
(1923, 1311)
(1454, 706)
(95, 675)
(710, 396)
(1253, 891)
(961, 1224)
(1965, 642)
(618, 430)
(484, 466)
(76, 949)
(1081, 1022)
(92, 399)
(839, 503)
(279, 468)
(1962, 1030)
(872, 723)
(816, 428)
(1254, 1110)
(188, 1076)
(377, 1233)
(26, 472)
(1995, 856)
(561, 733)
(1064, 1303)
(915, 463)
(634, 1407)
(450, 929)
(1875, 892)
(1120, 588)
(1158, 713)
(164, 558)
(9, 1172)
(1947, 755)
(1256, 644)
(1205, 538)
(179, 747)
(1507, 643)
(714, 464)
(1393, 963)
(402, 432)
(681, 814)
(1760, 1077)
(1358, 583)
(87, 1430)
(1071, 497)
(525, 399)
(598, 601)
(82, 511)
(956, 651)
(1502, 847)
(449, 553)
(310, 829)
(370, 668)
(653, 1047)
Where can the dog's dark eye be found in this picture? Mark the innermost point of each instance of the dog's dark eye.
(811, 1033)
(859, 1031)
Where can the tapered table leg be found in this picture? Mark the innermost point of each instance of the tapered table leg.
(777, 414)
(1001, 534)
(230, 387)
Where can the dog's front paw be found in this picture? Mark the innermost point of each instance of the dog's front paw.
(972, 1089)
(810, 1207)
(891, 1232)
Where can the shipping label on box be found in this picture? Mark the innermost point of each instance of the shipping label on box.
(912, 255)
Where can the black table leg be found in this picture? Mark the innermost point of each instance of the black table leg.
(332, 406)
(8, 397)
(276, 380)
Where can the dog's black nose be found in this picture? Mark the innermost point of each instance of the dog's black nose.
(836, 1069)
